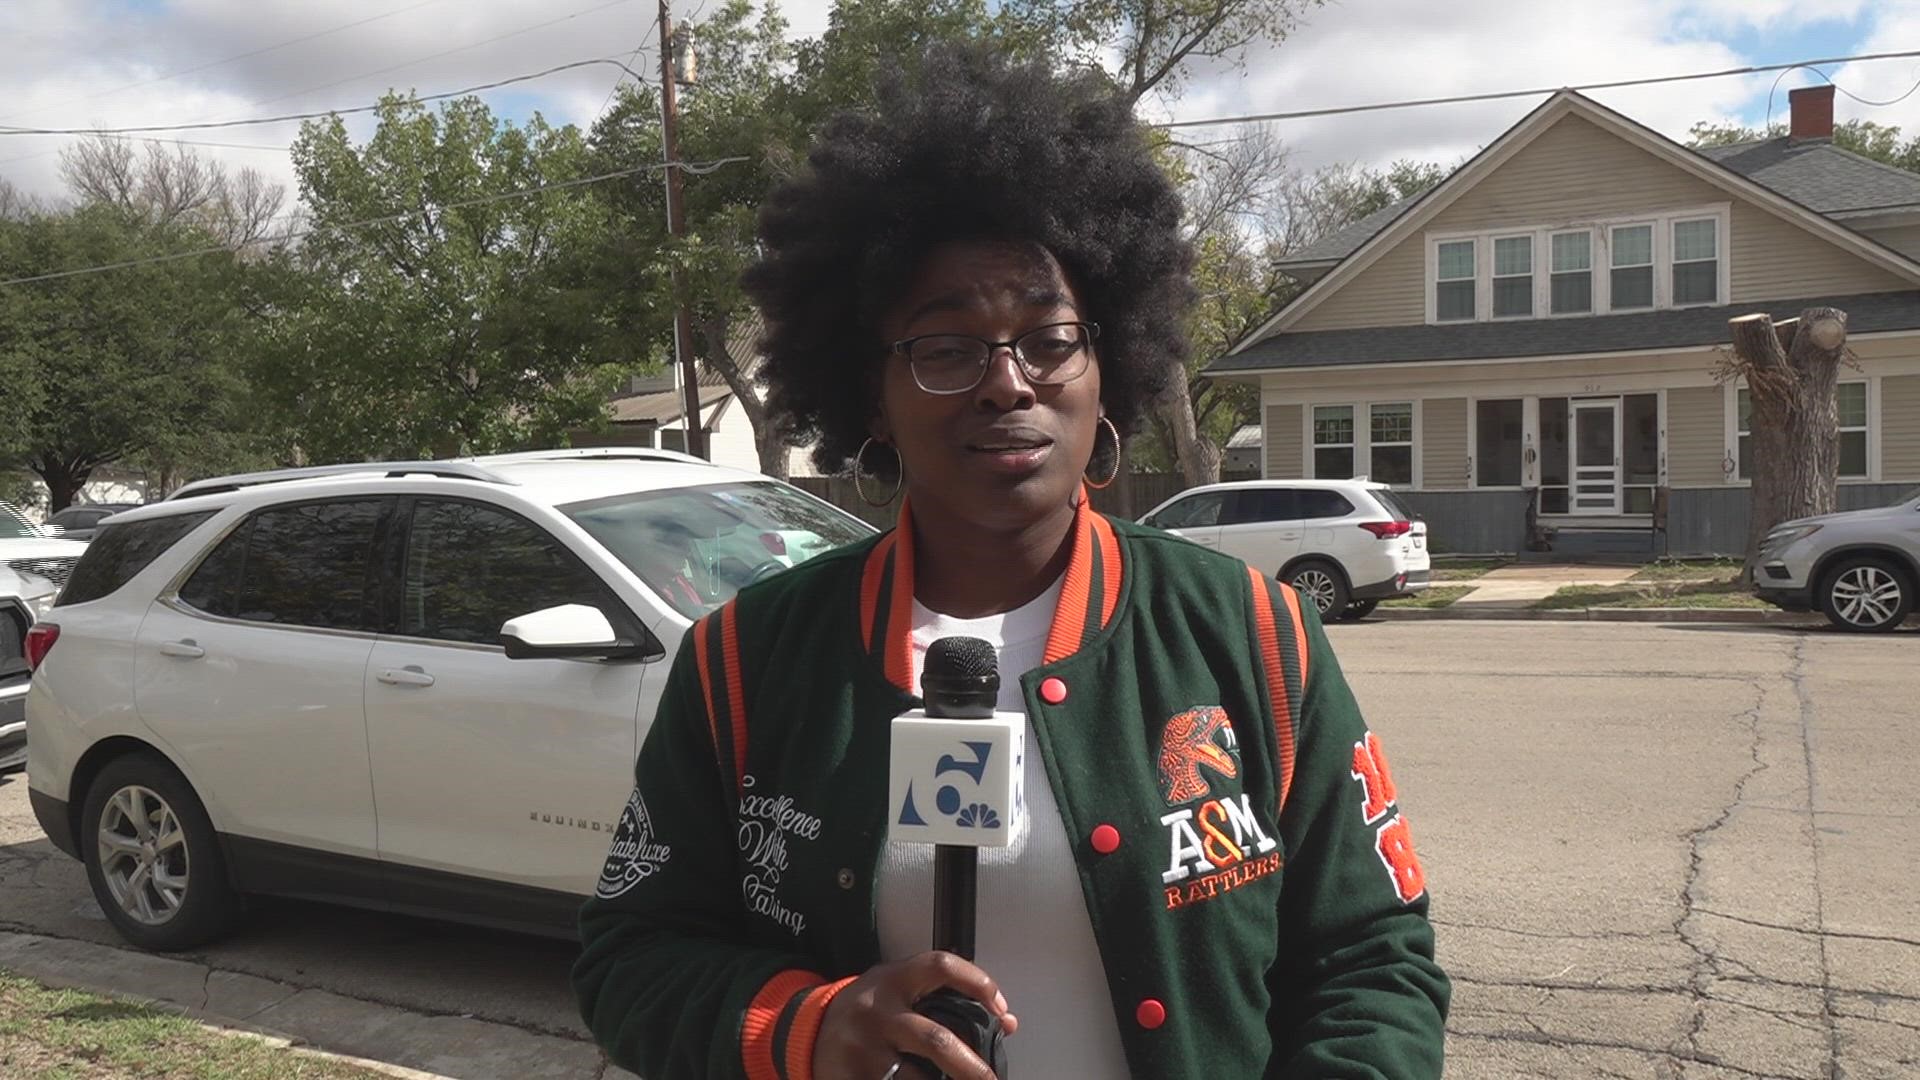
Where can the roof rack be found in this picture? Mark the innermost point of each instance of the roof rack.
(452, 470)
(605, 453)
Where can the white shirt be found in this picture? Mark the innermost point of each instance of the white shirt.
(1034, 935)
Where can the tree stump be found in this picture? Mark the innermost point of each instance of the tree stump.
(1791, 369)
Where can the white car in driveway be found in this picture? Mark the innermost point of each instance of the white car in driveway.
(1345, 544)
(413, 686)
(1861, 568)
(33, 566)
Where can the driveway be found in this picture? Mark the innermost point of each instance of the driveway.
(1656, 852)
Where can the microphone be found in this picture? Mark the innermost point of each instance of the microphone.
(954, 780)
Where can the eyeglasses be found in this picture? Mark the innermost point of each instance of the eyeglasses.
(955, 363)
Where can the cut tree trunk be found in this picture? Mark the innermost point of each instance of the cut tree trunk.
(1199, 459)
(768, 444)
(1791, 369)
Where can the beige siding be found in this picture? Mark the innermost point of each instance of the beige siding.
(1900, 428)
(1285, 436)
(1443, 449)
(1576, 172)
(1696, 436)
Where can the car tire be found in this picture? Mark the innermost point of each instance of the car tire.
(161, 879)
(1867, 594)
(1358, 610)
(1322, 584)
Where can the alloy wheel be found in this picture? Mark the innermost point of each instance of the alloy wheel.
(1866, 595)
(143, 855)
(1318, 586)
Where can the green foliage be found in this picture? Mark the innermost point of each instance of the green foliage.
(101, 367)
(469, 320)
(1154, 45)
(1880, 142)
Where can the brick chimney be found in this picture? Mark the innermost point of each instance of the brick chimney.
(1812, 108)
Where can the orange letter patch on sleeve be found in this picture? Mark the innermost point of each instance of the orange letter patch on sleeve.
(1370, 768)
(1393, 841)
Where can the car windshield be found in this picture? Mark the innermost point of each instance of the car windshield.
(15, 527)
(698, 546)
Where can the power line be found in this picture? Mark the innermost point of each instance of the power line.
(699, 168)
(1341, 110)
(207, 125)
(150, 139)
(227, 60)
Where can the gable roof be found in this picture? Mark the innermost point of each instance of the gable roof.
(1820, 176)
(1681, 328)
(1567, 102)
(1344, 242)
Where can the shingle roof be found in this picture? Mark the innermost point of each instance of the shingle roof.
(1866, 313)
(1345, 242)
(1819, 175)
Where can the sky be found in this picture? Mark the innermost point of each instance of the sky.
(99, 63)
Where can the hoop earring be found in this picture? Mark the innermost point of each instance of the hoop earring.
(1113, 456)
(859, 483)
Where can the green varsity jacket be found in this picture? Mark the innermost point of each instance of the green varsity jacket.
(1248, 873)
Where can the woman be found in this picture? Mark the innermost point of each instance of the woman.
(971, 297)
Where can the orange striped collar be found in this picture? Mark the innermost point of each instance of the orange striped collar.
(1088, 595)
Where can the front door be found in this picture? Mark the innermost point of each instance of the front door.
(1596, 457)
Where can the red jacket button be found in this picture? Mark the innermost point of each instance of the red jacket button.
(1151, 1014)
(1053, 691)
(1106, 839)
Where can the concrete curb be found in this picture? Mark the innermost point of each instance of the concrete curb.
(367, 1034)
(1736, 616)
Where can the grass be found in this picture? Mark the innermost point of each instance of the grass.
(1437, 596)
(1717, 594)
(48, 1034)
(1465, 569)
(1696, 569)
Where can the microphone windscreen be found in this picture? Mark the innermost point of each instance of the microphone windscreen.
(961, 658)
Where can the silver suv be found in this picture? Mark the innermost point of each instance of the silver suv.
(1861, 568)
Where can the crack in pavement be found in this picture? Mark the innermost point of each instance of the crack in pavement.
(1604, 935)
(1797, 676)
(1542, 1038)
(1844, 934)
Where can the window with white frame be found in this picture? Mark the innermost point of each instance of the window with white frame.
(1512, 277)
(1850, 401)
(1333, 442)
(1570, 285)
(1390, 443)
(1632, 257)
(1455, 274)
(1696, 261)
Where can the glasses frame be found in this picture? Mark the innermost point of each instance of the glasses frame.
(905, 348)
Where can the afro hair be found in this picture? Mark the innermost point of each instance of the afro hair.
(973, 148)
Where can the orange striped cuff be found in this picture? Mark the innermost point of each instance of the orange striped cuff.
(806, 1029)
(757, 1051)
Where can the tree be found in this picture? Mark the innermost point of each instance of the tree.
(173, 186)
(1791, 369)
(1881, 142)
(1153, 45)
(102, 367)
(438, 308)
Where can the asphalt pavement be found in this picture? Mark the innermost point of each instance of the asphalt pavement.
(1655, 851)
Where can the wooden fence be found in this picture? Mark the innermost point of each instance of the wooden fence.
(1128, 498)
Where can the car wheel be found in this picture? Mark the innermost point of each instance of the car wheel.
(152, 857)
(1867, 594)
(1358, 610)
(1322, 584)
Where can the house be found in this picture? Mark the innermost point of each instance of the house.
(1535, 339)
(1243, 451)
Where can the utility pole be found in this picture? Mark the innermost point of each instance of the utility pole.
(677, 227)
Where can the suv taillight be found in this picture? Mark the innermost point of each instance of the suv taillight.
(40, 639)
(1387, 530)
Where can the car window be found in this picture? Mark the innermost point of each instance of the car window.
(470, 568)
(1258, 505)
(1394, 505)
(1318, 503)
(310, 564)
(697, 546)
(1192, 512)
(15, 527)
(121, 550)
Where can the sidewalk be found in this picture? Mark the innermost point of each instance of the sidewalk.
(1516, 587)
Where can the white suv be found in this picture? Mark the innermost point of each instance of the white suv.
(414, 686)
(1345, 544)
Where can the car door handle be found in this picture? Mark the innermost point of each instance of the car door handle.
(411, 675)
(184, 650)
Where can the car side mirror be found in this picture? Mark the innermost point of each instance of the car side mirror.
(568, 632)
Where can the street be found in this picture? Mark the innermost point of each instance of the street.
(1656, 851)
